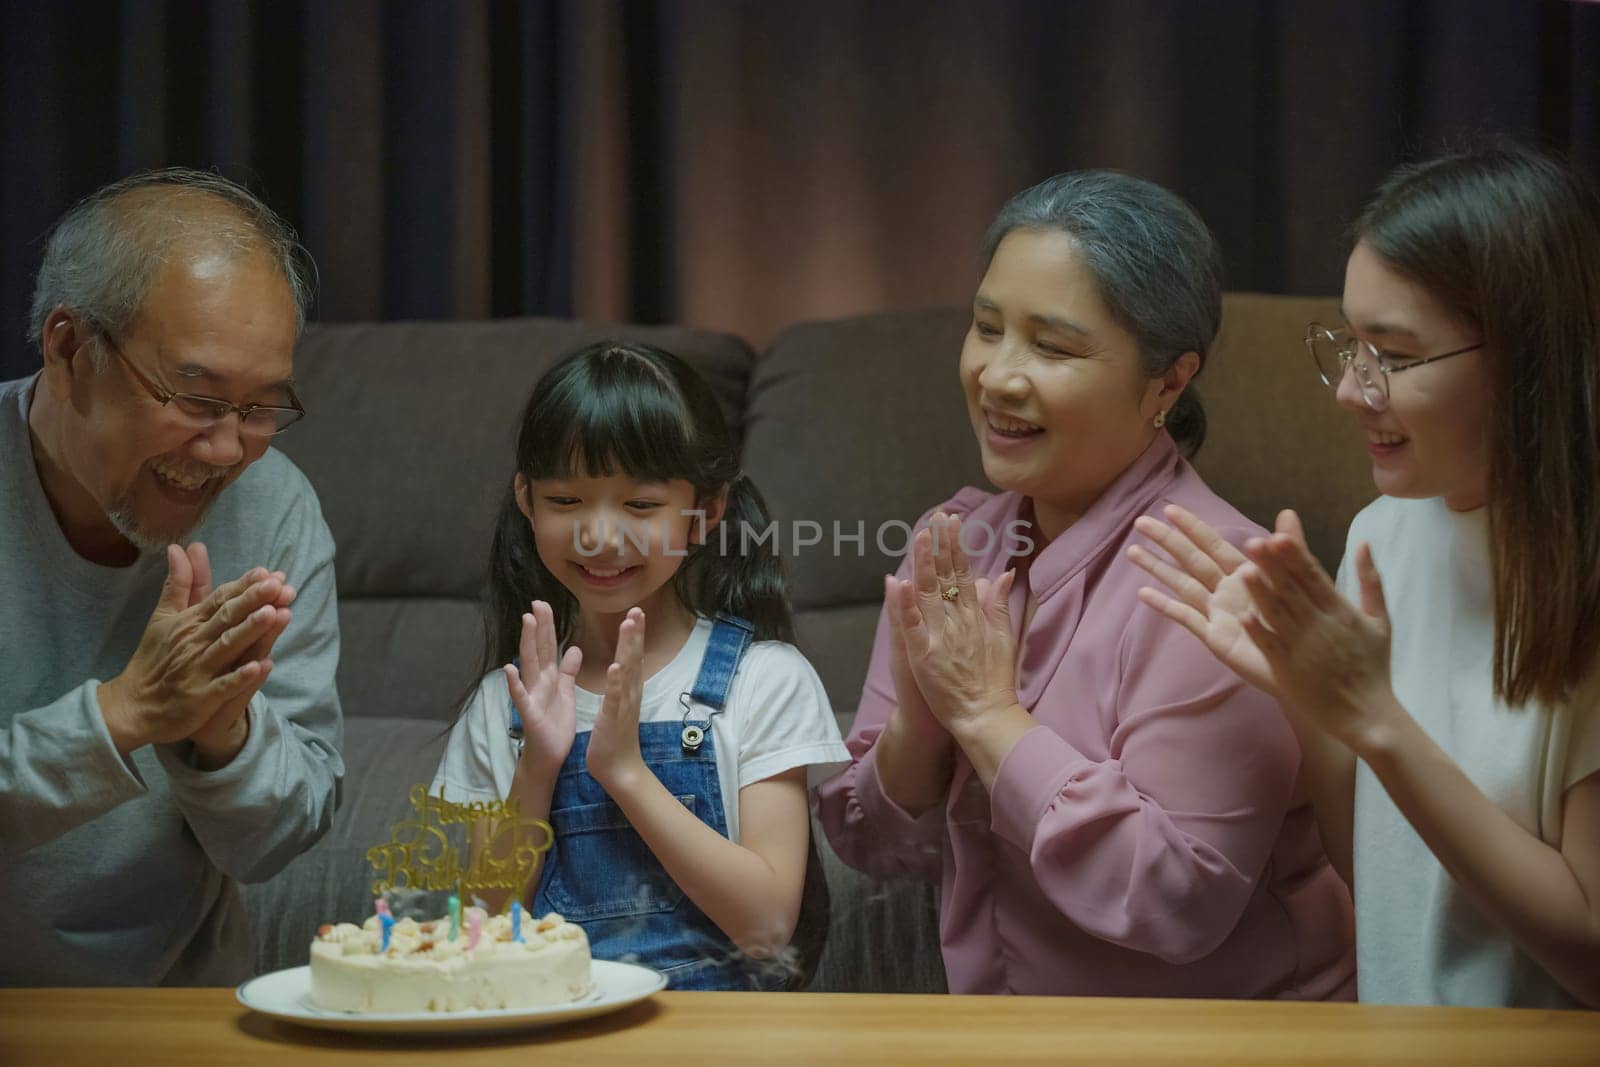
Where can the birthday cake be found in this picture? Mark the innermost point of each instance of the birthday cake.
(423, 968)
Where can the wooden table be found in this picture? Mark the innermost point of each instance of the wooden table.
(106, 1027)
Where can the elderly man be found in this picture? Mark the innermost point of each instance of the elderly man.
(161, 738)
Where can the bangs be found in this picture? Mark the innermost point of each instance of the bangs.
(617, 414)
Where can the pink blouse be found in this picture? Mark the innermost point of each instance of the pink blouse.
(1146, 838)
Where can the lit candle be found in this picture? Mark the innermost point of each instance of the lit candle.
(474, 927)
(387, 922)
(455, 916)
(516, 920)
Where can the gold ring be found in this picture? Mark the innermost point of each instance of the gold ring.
(951, 593)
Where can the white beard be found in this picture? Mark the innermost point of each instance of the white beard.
(146, 541)
(124, 518)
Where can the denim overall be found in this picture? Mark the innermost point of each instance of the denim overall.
(601, 875)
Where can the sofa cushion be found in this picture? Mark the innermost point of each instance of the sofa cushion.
(838, 642)
(883, 937)
(1276, 438)
(858, 423)
(408, 657)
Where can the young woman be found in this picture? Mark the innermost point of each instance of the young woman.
(1449, 710)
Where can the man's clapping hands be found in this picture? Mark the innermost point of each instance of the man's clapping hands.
(203, 655)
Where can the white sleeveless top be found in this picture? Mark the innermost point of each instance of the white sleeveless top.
(1419, 939)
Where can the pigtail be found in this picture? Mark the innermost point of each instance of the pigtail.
(516, 577)
(512, 583)
(737, 570)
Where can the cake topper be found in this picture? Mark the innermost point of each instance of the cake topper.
(420, 854)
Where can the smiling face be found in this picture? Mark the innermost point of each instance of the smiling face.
(615, 541)
(1055, 391)
(1433, 439)
(124, 468)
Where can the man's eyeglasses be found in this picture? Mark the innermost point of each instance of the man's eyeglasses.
(256, 420)
(1334, 350)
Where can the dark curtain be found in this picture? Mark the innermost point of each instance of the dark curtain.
(743, 165)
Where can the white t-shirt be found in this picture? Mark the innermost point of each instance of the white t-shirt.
(1419, 939)
(777, 718)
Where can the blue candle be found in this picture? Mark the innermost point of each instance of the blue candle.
(387, 922)
(516, 920)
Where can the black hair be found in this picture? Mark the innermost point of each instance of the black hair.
(626, 407)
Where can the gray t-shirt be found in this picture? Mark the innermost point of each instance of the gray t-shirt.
(118, 872)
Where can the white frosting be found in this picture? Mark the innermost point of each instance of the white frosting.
(424, 970)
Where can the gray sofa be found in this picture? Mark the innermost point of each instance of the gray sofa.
(857, 421)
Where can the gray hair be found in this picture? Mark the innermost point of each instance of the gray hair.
(1157, 266)
(104, 253)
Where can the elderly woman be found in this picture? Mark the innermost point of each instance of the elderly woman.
(1450, 713)
(1109, 809)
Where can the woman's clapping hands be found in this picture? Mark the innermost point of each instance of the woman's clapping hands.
(956, 652)
(1273, 615)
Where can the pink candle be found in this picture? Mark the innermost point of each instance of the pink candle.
(474, 927)
(381, 906)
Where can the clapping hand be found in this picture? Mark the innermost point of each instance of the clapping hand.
(1330, 657)
(1206, 592)
(1273, 615)
(542, 690)
(220, 739)
(912, 705)
(614, 752)
(199, 661)
(956, 631)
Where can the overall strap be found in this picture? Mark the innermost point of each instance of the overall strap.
(514, 731)
(730, 636)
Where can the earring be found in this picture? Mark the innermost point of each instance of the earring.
(1160, 420)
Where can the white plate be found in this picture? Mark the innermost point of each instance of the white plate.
(286, 995)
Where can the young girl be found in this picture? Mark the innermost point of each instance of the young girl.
(658, 716)
(1447, 712)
